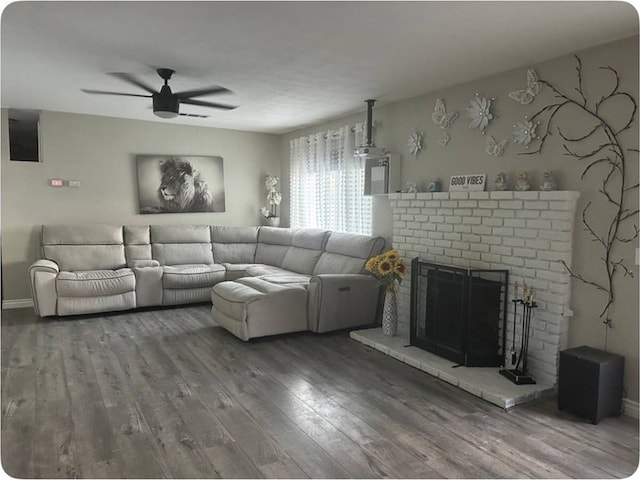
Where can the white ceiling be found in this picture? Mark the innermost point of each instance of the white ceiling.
(289, 64)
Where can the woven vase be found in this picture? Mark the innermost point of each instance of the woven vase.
(390, 314)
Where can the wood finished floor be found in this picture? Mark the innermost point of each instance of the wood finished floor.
(163, 393)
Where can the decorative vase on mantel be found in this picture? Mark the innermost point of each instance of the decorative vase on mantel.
(390, 313)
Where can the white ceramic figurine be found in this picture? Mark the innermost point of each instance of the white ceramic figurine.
(522, 183)
(501, 182)
(548, 182)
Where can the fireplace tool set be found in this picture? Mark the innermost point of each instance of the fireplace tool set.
(519, 375)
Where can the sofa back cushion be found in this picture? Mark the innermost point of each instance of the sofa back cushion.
(347, 253)
(84, 247)
(137, 243)
(234, 244)
(307, 244)
(273, 245)
(181, 244)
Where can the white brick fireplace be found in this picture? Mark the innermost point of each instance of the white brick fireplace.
(528, 233)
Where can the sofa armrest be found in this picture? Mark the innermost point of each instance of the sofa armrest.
(144, 263)
(338, 301)
(42, 277)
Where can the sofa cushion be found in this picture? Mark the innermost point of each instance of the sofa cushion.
(137, 235)
(192, 276)
(231, 298)
(137, 243)
(87, 305)
(234, 298)
(86, 257)
(84, 247)
(347, 253)
(182, 253)
(292, 279)
(273, 245)
(306, 247)
(237, 270)
(88, 234)
(257, 270)
(95, 283)
(181, 244)
(180, 234)
(234, 244)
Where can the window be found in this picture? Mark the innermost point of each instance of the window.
(327, 182)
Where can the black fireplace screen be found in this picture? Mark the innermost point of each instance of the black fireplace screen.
(459, 313)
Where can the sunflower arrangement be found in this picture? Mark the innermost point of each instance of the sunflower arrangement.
(388, 268)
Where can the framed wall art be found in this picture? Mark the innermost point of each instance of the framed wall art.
(180, 184)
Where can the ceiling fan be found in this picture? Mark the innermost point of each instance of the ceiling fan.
(166, 104)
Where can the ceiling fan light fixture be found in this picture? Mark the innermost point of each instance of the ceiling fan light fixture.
(165, 114)
(166, 105)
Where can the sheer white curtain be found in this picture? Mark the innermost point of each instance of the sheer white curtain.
(327, 182)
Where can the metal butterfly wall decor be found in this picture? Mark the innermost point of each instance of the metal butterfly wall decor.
(527, 95)
(494, 148)
(441, 117)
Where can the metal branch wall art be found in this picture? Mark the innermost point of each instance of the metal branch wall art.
(610, 155)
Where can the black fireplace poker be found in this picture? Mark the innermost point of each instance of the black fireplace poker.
(517, 375)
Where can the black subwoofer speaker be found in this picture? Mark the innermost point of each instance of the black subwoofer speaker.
(590, 382)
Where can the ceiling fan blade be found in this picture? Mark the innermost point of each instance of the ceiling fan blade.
(207, 104)
(194, 115)
(202, 91)
(102, 92)
(127, 77)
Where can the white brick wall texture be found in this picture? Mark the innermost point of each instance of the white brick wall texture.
(528, 233)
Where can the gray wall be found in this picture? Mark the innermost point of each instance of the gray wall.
(100, 152)
(465, 154)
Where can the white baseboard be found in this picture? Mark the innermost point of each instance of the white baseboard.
(19, 303)
(631, 408)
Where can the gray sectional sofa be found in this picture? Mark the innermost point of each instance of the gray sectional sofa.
(260, 280)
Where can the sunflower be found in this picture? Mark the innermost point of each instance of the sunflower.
(400, 268)
(371, 264)
(384, 267)
(391, 255)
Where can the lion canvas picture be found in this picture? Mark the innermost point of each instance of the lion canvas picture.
(180, 184)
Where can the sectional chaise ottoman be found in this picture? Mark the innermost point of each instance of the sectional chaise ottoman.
(260, 280)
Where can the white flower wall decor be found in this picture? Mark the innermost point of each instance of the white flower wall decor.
(414, 143)
(479, 113)
(493, 148)
(527, 95)
(524, 132)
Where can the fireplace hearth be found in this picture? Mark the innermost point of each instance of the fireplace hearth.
(459, 313)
